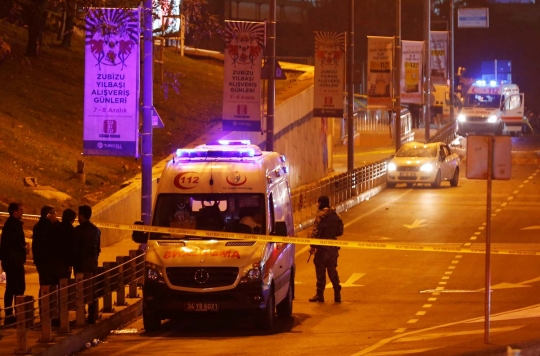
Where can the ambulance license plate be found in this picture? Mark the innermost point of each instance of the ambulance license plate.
(201, 307)
(407, 174)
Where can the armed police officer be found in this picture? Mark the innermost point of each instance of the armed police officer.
(327, 225)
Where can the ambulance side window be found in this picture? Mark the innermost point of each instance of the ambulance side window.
(271, 211)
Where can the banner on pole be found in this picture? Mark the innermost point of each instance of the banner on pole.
(380, 54)
(244, 42)
(329, 80)
(439, 57)
(412, 53)
(111, 82)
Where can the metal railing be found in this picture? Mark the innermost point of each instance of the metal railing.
(71, 295)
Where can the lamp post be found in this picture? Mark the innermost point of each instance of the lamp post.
(350, 92)
(397, 76)
(427, 73)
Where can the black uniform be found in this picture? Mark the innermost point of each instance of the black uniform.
(327, 225)
(13, 256)
(43, 242)
(88, 247)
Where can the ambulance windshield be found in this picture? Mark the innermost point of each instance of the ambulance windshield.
(242, 213)
(483, 101)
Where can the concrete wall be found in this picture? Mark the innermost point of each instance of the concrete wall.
(298, 135)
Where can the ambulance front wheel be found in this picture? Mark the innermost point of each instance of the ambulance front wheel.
(285, 307)
(150, 322)
(265, 320)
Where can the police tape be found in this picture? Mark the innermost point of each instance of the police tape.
(299, 240)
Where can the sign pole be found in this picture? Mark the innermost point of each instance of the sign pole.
(427, 66)
(487, 296)
(271, 71)
(146, 184)
(397, 75)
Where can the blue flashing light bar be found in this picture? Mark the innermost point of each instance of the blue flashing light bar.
(481, 82)
(213, 153)
(233, 142)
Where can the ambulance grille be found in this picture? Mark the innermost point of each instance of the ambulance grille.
(202, 277)
(241, 243)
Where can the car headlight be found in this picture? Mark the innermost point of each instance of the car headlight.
(492, 119)
(252, 274)
(461, 118)
(154, 273)
(428, 167)
(391, 167)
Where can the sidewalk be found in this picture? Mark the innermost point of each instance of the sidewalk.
(78, 335)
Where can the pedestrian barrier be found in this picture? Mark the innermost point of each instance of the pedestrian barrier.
(71, 295)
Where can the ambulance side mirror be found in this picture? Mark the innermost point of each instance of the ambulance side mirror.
(280, 228)
(139, 237)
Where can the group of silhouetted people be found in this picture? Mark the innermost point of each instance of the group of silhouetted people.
(58, 248)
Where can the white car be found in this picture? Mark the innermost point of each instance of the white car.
(423, 163)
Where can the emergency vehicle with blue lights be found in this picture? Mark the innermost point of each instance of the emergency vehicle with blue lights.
(213, 187)
(492, 108)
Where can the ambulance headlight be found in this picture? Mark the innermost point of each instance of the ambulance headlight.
(154, 273)
(492, 119)
(252, 274)
(461, 118)
(428, 167)
(391, 167)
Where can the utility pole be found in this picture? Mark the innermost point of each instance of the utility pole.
(350, 92)
(427, 65)
(452, 79)
(147, 107)
(397, 76)
(271, 70)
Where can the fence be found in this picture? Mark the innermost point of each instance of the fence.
(71, 295)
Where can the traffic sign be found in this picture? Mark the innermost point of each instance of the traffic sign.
(473, 17)
(280, 74)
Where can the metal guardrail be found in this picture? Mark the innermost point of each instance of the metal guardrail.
(72, 295)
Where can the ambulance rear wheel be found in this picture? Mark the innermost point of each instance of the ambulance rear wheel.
(150, 322)
(265, 321)
(284, 308)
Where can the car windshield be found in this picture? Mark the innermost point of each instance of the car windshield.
(417, 150)
(216, 212)
(483, 101)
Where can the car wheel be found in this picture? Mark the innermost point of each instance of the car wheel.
(285, 307)
(150, 322)
(455, 179)
(265, 321)
(437, 182)
(390, 184)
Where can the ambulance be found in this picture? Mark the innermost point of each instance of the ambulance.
(491, 108)
(214, 192)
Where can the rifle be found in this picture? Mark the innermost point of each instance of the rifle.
(310, 254)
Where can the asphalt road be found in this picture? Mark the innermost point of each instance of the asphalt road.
(395, 302)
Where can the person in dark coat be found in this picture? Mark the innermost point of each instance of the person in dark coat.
(13, 257)
(65, 244)
(88, 247)
(43, 243)
(327, 225)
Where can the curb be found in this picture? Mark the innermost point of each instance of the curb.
(77, 341)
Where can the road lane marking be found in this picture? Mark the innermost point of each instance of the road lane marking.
(350, 282)
(412, 321)
(420, 313)
(458, 333)
(427, 305)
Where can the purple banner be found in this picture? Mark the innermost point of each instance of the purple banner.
(242, 77)
(111, 82)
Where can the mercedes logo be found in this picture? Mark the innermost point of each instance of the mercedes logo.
(202, 276)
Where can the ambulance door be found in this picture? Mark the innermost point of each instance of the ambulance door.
(282, 265)
(513, 110)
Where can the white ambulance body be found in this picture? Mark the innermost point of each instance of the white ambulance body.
(213, 187)
(491, 108)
